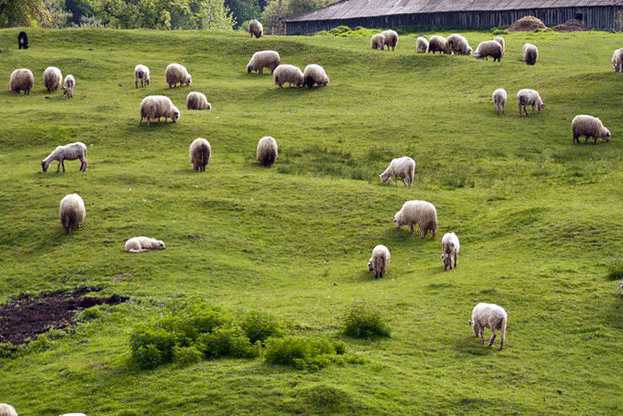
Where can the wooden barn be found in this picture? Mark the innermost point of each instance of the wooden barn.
(459, 14)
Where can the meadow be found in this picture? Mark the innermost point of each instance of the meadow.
(539, 221)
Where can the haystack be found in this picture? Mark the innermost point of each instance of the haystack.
(527, 24)
(570, 26)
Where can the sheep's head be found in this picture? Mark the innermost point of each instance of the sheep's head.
(175, 116)
(44, 165)
(189, 80)
(385, 177)
(370, 267)
(249, 68)
(606, 134)
(159, 245)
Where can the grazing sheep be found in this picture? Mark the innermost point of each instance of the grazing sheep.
(531, 97)
(197, 101)
(21, 80)
(391, 38)
(488, 315)
(530, 53)
(617, 60)
(267, 151)
(72, 212)
(200, 151)
(255, 28)
(422, 44)
(499, 100)
(500, 40)
(315, 75)
(141, 75)
(156, 106)
(175, 73)
(7, 409)
(449, 250)
(621, 287)
(377, 41)
(22, 40)
(403, 168)
(588, 126)
(52, 78)
(420, 213)
(379, 260)
(458, 45)
(68, 85)
(71, 151)
(438, 44)
(288, 73)
(264, 59)
(490, 48)
(142, 244)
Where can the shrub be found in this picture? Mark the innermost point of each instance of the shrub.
(151, 347)
(259, 326)
(615, 269)
(300, 352)
(361, 321)
(230, 341)
(186, 355)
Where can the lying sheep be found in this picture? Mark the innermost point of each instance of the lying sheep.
(141, 75)
(22, 41)
(264, 59)
(588, 126)
(315, 75)
(7, 409)
(391, 38)
(530, 53)
(267, 151)
(488, 48)
(176, 73)
(197, 101)
(156, 106)
(422, 44)
(449, 250)
(488, 315)
(499, 100)
(288, 73)
(52, 78)
(72, 212)
(526, 97)
(617, 60)
(438, 44)
(142, 244)
(377, 41)
(71, 151)
(200, 151)
(458, 45)
(21, 80)
(255, 28)
(403, 168)
(68, 85)
(500, 40)
(420, 213)
(379, 260)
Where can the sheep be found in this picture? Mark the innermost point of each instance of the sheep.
(255, 28)
(315, 75)
(72, 212)
(488, 315)
(21, 80)
(175, 73)
(267, 151)
(530, 53)
(588, 126)
(156, 106)
(391, 38)
(499, 100)
(422, 44)
(527, 97)
(377, 41)
(379, 260)
(621, 287)
(500, 40)
(68, 85)
(142, 244)
(200, 151)
(403, 168)
(489, 48)
(197, 101)
(458, 45)
(22, 40)
(450, 247)
(288, 73)
(141, 75)
(71, 151)
(617, 60)
(420, 213)
(74, 414)
(264, 59)
(438, 44)
(52, 78)
(7, 409)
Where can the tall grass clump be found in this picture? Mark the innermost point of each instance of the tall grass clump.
(302, 353)
(363, 321)
(615, 268)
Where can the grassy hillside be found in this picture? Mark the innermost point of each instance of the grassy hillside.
(539, 221)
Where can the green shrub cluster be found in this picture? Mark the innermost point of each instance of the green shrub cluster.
(615, 269)
(363, 321)
(304, 353)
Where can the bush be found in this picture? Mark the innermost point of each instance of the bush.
(230, 341)
(186, 355)
(361, 321)
(259, 326)
(151, 347)
(615, 269)
(300, 352)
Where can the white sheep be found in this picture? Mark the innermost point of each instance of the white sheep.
(157, 106)
(255, 28)
(142, 244)
(377, 41)
(391, 38)
(621, 287)
(288, 73)
(68, 85)
(438, 43)
(401, 167)
(379, 260)
(315, 75)
(176, 73)
(52, 78)
(72, 212)
(458, 45)
(617, 60)
(7, 409)
(530, 53)
(264, 59)
(499, 100)
(267, 151)
(200, 151)
(74, 414)
(526, 97)
(488, 315)
(420, 213)
(450, 247)
(21, 79)
(421, 44)
(500, 40)
(197, 101)
(141, 75)
(588, 126)
(490, 48)
(71, 151)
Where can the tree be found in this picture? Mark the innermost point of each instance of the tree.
(289, 8)
(23, 13)
(243, 10)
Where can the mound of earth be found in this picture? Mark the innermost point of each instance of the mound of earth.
(527, 24)
(570, 26)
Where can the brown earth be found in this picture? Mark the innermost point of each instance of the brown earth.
(527, 24)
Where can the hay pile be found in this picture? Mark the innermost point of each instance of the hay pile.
(570, 26)
(527, 24)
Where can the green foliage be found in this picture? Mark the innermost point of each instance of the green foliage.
(363, 321)
(259, 326)
(302, 353)
(228, 341)
(615, 268)
(186, 355)
(289, 8)
(23, 13)
(152, 347)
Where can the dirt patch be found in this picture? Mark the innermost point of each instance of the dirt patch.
(26, 316)
(570, 26)
(527, 24)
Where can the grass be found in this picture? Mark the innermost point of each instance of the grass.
(538, 220)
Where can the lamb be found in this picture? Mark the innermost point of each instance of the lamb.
(490, 48)
(142, 244)
(7, 409)
(175, 73)
(267, 151)
(458, 45)
(68, 85)
(449, 250)
(403, 168)
(315, 75)
(288, 73)
(21, 80)
(377, 41)
(197, 101)
(255, 28)
(71, 151)
(500, 40)
(617, 60)
(438, 44)
(422, 44)
(264, 59)
(527, 97)
(391, 38)
(52, 78)
(488, 315)
(420, 213)
(200, 151)
(141, 75)
(379, 260)
(72, 212)
(530, 53)
(22, 40)
(156, 106)
(588, 126)
(499, 100)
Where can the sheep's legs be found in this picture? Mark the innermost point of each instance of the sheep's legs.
(492, 337)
